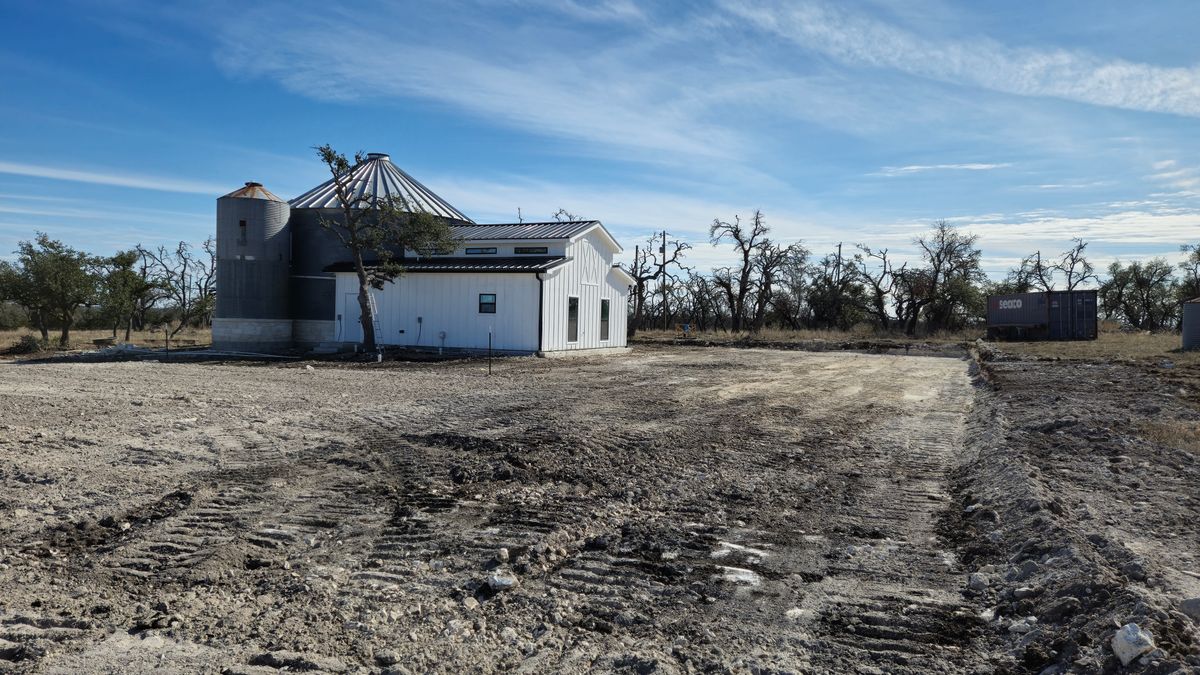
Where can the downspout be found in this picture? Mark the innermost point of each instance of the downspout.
(541, 301)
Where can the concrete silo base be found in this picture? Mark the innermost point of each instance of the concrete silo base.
(310, 332)
(257, 335)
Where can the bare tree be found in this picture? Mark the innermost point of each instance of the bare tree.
(650, 263)
(565, 216)
(1037, 272)
(704, 300)
(185, 279)
(735, 282)
(1075, 267)
(880, 278)
(750, 286)
(770, 259)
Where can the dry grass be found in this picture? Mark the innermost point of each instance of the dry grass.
(1110, 346)
(1177, 434)
(863, 332)
(82, 339)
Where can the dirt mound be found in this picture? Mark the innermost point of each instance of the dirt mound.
(1072, 523)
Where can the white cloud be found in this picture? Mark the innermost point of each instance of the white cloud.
(1175, 175)
(1072, 75)
(921, 168)
(112, 177)
(603, 11)
(1072, 186)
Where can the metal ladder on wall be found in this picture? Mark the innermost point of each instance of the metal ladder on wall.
(375, 321)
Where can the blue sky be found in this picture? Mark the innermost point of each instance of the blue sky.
(1027, 123)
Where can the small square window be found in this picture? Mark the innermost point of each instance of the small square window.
(481, 250)
(528, 250)
(487, 303)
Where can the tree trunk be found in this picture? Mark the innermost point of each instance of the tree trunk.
(128, 327)
(64, 340)
(365, 317)
(40, 318)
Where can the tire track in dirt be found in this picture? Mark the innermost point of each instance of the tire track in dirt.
(890, 598)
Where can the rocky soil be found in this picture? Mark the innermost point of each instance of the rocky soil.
(1077, 520)
(674, 510)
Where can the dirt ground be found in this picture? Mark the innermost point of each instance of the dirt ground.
(673, 510)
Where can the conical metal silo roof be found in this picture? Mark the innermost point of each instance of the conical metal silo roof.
(254, 190)
(378, 177)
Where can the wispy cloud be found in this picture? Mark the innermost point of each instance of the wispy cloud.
(116, 178)
(860, 40)
(567, 88)
(605, 10)
(921, 168)
(1072, 186)
(1172, 173)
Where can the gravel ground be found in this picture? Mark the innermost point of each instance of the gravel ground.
(673, 510)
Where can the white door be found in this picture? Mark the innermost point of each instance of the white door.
(351, 319)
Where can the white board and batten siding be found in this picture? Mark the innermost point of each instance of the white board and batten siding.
(446, 303)
(450, 303)
(590, 278)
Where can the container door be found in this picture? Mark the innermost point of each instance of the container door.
(1058, 317)
(1084, 306)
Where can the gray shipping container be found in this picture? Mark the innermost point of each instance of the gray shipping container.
(1054, 315)
(1191, 324)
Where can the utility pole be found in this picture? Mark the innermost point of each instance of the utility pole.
(663, 250)
(837, 285)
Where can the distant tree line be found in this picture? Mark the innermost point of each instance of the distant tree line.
(773, 285)
(53, 287)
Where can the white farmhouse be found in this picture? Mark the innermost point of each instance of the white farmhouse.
(536, 288)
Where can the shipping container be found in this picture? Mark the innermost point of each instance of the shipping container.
(1191, 324)
(1053, 315)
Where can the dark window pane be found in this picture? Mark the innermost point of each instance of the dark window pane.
(572, 319)
(542, 250)
(487, 303)
(479, 250)
(604, 319)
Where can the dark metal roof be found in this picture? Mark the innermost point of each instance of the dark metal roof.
(378, 177)
(471, 264)
(254, 190)
(552, 230)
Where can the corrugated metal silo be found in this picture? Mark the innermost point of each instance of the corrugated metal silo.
(313, 289)
(1191, 324)
(253, 260)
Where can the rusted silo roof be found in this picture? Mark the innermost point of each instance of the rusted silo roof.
(378, 177)
(254, 190)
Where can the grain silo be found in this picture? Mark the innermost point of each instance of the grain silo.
(253, 261)
(1191, 324)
